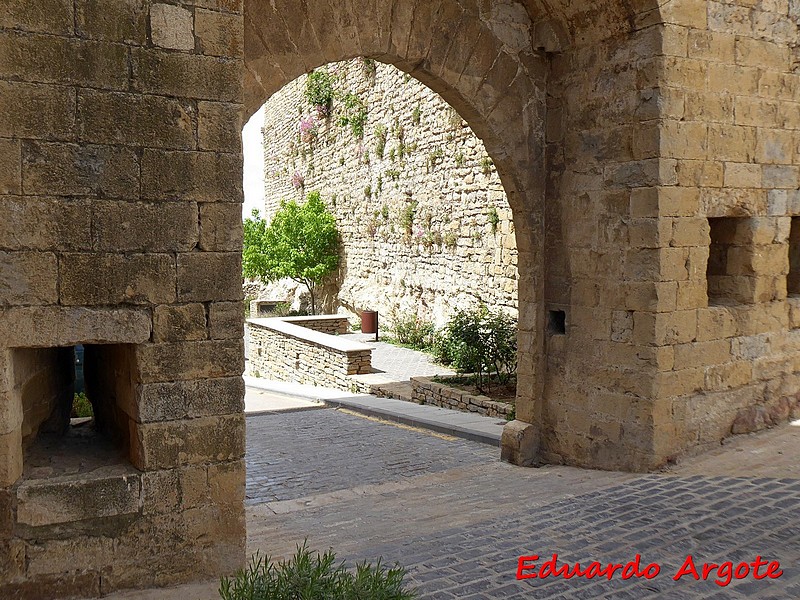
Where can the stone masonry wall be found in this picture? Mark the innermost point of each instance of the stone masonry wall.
(120, 224)
(283, 356)
(427, 391)
(424, 220)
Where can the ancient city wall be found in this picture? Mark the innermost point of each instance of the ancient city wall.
(424, 220)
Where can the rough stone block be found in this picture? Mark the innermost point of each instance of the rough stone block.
(62, 326)
(40, 111)
(49, 16)
(190, 360)
(197, 441)
(219, 126)
(220, 227)
(520, 444)
(10, 167)
(171, 27)
(219, 34)
(50, 59)
(78, 170)
(82, 553)
(135, 119)
(176, 323)
(190, 399)
(209, 276)
(10, 457)
(145, 227)
(112, 20)
(45, 224)
(225, 320)
(28, 278)
(187, 75)
(197, 176)
(92, 279)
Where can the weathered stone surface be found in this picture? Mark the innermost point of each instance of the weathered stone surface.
(220, 227)
(179, 323)
(190, 399)
(92, 279)
(28, 278)
(198, 176)
(41, 111)
(51, 16)
(190, 360)
(10, 457)
(196, 441)
(33, 223)
(171, 26)
(10, 167)
(144, 227)
(112, 20)
(219, 34)
(207, 276)
(64, 326)
(225, 320)
(73, 170)
(219, 126)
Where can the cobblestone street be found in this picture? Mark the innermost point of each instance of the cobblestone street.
(458, 519)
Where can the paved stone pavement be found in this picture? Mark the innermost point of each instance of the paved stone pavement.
(400, 364)
(458, 519)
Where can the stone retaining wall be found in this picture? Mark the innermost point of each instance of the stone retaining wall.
(428, 391)
(290, 350)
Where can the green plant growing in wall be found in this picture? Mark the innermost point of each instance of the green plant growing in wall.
(379, 185)
(301, 243)
(493, 218)
(368, 192)
(385, 212)
(354, 115)
(380, 140)
(368, 68)
(486, 165)
(319, 91)
(450, 240)
(392, 154)
(434, 157)
(393, 174)
(460, 159)
(416, 115)
(407, 217)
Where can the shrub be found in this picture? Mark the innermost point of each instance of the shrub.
(479, 341)
(410, 330)
(81, 407)
(318, 578)
(354, 115)
(319, 90)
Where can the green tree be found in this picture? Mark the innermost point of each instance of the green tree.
(301, 243)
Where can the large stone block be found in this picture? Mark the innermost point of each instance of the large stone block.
(64, 326)
(175, 323)
(50, 16)
(135, 119)
(225, 320)
(10, 457)
(219, 126)
(28, 278)
(40, 111)
(112, 20)
(197, 441)
(10, 167)
(92, 279)
(190, 399)
(32, 223)
(50, 59)
(198, 176)
(208, 276)
(171, 26)
(219, 34)
(221, 227)
(79, 170)
(184, 361)
(187, 75)
(145, 227)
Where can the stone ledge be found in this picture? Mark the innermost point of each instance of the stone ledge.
(287, 326)
(427, 391)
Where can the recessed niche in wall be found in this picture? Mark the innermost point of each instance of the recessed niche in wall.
(557, 322)
(55, 443)
(729, 279)
(793, 279)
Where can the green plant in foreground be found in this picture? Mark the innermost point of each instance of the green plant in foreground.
(307, 577)
(493, 218)
(408, 329)
(81, 407)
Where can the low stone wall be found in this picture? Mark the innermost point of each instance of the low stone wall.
(291, 349)
(427, 391)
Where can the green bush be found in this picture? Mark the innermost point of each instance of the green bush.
(81, 407)
(314, 578)
(410, 330)
(479, 341)
(320, 88)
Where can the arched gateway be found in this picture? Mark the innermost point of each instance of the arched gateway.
(650, 155)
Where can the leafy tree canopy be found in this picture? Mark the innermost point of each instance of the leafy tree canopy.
(301, 242)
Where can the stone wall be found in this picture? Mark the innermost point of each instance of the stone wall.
(295, 350)
(427, 391)
(425, 223)
(120, 229)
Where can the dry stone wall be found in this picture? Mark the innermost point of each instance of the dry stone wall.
(424, 220)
